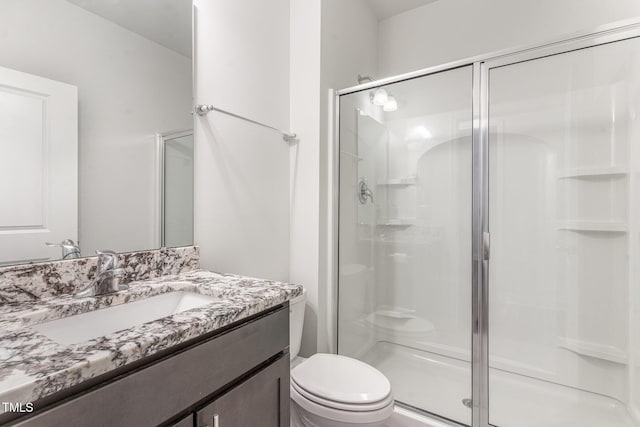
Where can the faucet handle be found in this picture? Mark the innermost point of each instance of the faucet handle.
(70, 250)
(107, 260)
(67, 243)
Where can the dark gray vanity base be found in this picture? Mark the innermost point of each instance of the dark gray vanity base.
(262, 400)
(241, 374)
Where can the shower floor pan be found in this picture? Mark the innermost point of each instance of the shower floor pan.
(439, 384)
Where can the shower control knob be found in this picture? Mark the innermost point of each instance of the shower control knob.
(364, 192)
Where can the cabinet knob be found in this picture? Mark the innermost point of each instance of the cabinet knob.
(216, 420)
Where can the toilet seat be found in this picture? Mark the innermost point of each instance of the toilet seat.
(341, 379)
(362, 407)
(352, 417)
(341, 389)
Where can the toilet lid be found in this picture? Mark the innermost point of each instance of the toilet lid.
(341, 379)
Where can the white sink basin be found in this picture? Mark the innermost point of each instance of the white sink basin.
(94, 324)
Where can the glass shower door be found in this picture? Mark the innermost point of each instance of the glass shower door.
(404, 285)
(564, 211)
(177, 188)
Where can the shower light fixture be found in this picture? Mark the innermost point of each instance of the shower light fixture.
(391, 104)
(379, 97)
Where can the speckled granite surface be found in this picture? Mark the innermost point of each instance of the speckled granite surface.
(32, 366)
(29, 282)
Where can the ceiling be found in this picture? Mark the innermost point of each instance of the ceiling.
(384, 9)
(166, 22)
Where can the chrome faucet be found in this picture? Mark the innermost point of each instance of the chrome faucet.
(70, 250)
(107, 278)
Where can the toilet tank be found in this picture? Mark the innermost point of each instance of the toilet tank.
(296, 321)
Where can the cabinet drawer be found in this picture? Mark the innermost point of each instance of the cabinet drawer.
(261, 400)
(157, 392)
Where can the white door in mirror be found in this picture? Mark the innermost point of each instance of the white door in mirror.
(38, 166)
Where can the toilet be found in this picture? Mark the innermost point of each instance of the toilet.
(329, 390)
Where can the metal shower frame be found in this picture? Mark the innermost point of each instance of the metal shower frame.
(481, 67)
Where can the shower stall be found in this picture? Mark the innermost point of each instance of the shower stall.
(488, 239)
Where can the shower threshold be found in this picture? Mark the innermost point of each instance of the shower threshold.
(440, 385)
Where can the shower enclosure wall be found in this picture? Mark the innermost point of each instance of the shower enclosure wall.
(489, 234)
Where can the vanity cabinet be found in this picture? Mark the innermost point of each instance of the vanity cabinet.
(240, 374)
(262, 400)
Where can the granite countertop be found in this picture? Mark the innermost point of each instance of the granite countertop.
(32, 366)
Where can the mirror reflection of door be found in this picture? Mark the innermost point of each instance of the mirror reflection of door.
(87, 172)
(176, 188)
(38, 166)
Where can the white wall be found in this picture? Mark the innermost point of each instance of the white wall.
(305, 166)
(242, 170)
(258, 201)
(121, 77)
(349, 41)
(448, 30)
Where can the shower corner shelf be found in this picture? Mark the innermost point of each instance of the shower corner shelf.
(600, 226)
(592, 349)
(398, 182)
(397, 222)
(589, 172)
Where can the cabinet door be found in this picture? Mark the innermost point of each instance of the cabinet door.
(262, 400)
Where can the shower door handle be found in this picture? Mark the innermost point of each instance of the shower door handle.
(486, 246)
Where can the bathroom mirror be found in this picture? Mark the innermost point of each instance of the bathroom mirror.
(96, 140)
